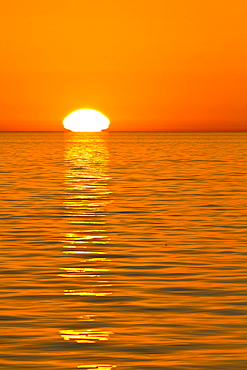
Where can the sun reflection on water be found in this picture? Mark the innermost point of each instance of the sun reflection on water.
(99, 294)
(86, 268)
(96, 367)
(85, 336)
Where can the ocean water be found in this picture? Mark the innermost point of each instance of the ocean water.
(123, 251)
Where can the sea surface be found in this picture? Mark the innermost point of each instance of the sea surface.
(123, 251)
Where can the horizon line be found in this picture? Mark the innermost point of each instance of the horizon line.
(64, 131)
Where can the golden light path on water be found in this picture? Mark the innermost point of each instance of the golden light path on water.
(87, 195)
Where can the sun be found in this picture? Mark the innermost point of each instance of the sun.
(86, 120)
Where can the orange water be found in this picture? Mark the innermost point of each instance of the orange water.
(123, 251)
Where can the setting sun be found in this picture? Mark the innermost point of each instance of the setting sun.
(86, 120)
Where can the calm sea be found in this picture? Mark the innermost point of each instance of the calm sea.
(123, 251)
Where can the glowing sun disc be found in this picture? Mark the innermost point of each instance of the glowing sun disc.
(86, 120)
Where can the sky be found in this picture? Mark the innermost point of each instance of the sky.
(171, 65)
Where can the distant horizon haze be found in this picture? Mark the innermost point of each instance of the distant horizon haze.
(28, 126)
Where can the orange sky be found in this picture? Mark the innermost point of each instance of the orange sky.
(147, 65)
